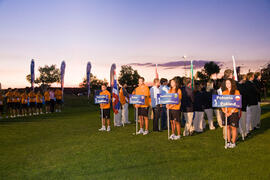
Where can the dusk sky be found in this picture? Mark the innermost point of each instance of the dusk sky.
(126, 31)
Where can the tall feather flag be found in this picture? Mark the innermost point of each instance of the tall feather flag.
(63, 68)
(88, 70)
(115, 91)
(191, 73)
(156, 72)
(32, 71)
(234, 70)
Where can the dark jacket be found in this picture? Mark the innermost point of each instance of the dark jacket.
(198, 101)
(243, 91)
(258, 85)
(187, 99)
(251, 93)
(207, 99)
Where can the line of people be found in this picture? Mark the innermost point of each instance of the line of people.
(28, 102)
(195, 103)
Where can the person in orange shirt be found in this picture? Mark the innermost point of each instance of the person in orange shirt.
(16, 102)
(2, 97)
(174, 110)
(9, 96)
(58, 95)
(231, 114)
(32, 101)
(105, 108)
(47, 101)
(142, 89)
(24, 102)
(39, 100)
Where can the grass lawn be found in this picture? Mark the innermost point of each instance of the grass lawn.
(68, 145)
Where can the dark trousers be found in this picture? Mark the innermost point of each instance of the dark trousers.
(163, 117)
(157, 114)
(52, 105)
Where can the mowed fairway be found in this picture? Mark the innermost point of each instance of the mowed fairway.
(68, 145)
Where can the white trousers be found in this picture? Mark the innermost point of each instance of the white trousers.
(242, 123)
(251, 117)
(218, 115)
(209, 114)
(125, 113)
(188, 126)
(258, 119)
(198, 121)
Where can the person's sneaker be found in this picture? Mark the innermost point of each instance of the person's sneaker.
(176, 137)
(232, 145)
(108, 128)
(172, 137)
(185, 133)
(145, 132)
(228, 144)
(140, 131)
(118, 125)
(212, 128)
(128, 122)
(103, 128)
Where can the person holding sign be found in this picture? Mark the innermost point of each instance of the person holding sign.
(105, 108)
(174, 110)
(231, 114)
(154, 91)
(143, 109)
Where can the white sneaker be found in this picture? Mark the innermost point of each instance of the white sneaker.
(176, 137)
(212, 128)
(145, 132)
(232, 145)
(103, 128)
(140, 131)
(118, 125)
(228, 144)
(41, 112)
(128, 122)
(108, 128)
(172, 137)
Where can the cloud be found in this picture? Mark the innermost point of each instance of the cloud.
(197, 64)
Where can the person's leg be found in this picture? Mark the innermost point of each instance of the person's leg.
(108, 122)
(234, 134)
(172, 126)
(228, 133)
(163, 118)
(178, 127)
(259, 111)
(209, 114)
(200, 121)
(146, 123)
(141, 122)
(218, 115)
(195, 122)
(248, 121)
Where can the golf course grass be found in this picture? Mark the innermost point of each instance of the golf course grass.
(68, 145)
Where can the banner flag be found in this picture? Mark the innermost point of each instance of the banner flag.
(88, 72)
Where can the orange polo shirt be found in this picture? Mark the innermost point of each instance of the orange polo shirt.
(176, 106)
(226, 92)
(47, 96)
(143, 90)
(106, 106)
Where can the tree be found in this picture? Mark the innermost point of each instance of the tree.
(95, 83)
(128, 76)
(47, 75)
(211, 68)
(202, 75)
